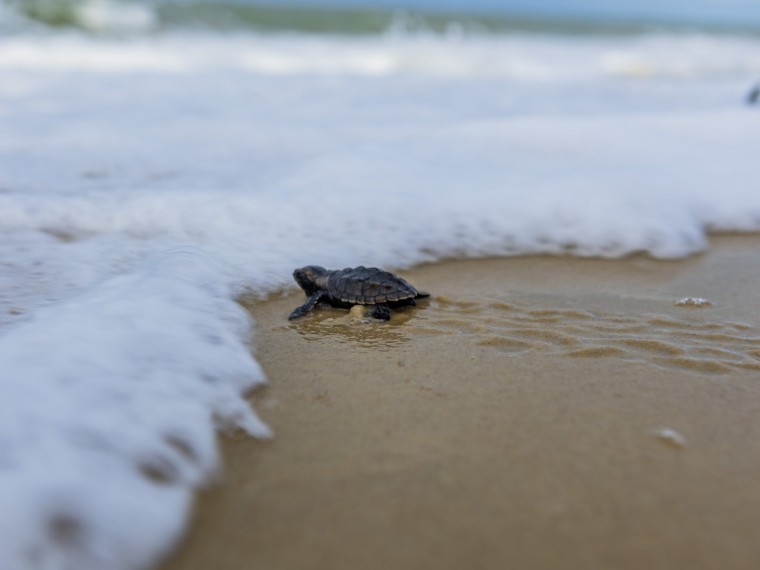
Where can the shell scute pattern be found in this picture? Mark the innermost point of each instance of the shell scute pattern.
(369, 286)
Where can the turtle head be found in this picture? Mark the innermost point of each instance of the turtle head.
(310, 278)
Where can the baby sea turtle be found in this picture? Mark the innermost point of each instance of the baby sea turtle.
(345, 288)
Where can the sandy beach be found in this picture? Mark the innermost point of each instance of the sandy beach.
(536, 412)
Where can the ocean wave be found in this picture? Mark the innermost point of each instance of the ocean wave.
(525, 57)
(102, 16)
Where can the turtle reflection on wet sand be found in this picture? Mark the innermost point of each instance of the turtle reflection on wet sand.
(379, 290)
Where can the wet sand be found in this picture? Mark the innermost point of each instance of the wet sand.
(535, 413)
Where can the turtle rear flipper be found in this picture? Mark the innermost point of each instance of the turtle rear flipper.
(421, 294)
(381, 311)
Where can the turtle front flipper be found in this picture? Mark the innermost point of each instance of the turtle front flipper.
(381, 311)
(310, 303)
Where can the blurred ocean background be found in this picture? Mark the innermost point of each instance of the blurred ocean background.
(361, 16)
(159, 159)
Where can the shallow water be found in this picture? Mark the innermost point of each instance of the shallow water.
(674, 337)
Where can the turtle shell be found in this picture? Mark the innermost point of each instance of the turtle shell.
(368, 286)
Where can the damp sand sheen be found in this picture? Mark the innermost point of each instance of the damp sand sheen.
(535, 413)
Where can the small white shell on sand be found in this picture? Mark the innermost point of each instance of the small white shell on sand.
(671, 437)
(698, 302)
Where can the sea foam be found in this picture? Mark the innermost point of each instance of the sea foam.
(108, 404)
(120, 353)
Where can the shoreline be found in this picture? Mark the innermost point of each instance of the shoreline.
(537, 412)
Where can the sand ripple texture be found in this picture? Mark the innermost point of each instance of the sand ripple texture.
(664, 340)
(689, 342)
